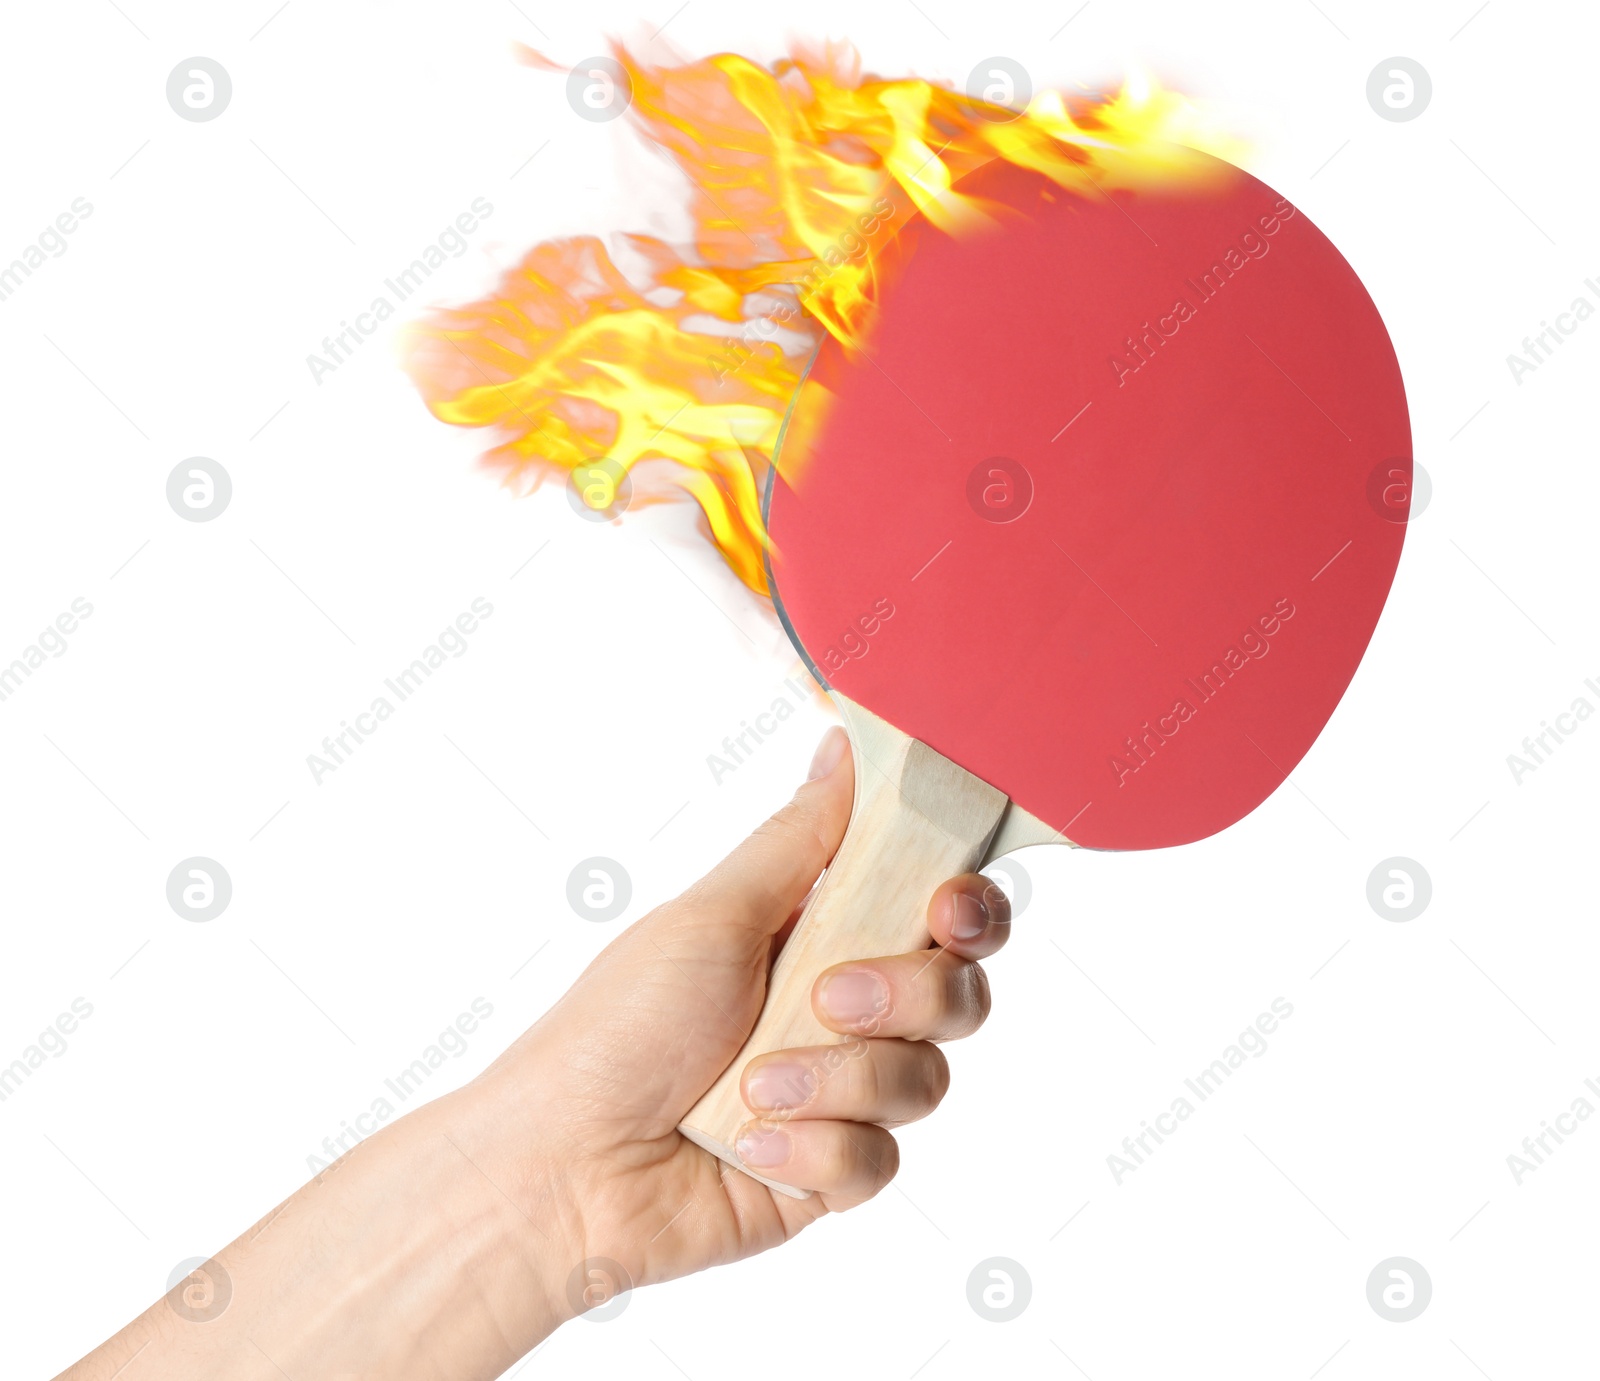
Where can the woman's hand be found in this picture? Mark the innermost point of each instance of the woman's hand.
(595, 1091)
(453, 1240)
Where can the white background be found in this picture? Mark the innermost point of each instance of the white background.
(370, 910)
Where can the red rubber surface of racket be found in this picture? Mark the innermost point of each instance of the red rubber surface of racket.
(1115, 655)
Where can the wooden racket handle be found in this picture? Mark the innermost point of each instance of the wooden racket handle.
(918, 819)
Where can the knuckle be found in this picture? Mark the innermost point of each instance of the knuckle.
(985, 999)
(692, 907)
(703, 903)
(798, 823)
(859, 1160)
(838, 1158)
(965, 999)
(934, 1070)
(871, 1080)
(884, 1162)
(866, 1081)
(975, 998)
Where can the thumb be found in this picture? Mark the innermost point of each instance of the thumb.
(756, 888)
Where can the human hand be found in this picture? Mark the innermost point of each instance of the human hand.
(450, 1242)
(585, 1106)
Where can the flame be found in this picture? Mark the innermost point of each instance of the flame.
(798, 175)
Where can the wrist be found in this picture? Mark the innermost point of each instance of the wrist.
(404, 1258)
(492, 1230)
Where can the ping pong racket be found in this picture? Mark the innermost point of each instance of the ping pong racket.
(1086, 540)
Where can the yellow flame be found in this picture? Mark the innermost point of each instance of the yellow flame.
(798, 174)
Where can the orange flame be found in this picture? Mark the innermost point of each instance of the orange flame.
(798, 174)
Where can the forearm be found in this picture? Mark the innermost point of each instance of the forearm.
(414, 1256)
(446, 1246)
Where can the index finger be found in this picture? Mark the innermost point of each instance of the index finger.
(970, 916)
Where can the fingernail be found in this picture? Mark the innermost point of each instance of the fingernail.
(780, 1085)
(854, 997)
(763, 1150)
(830, 753)
(970, 919)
